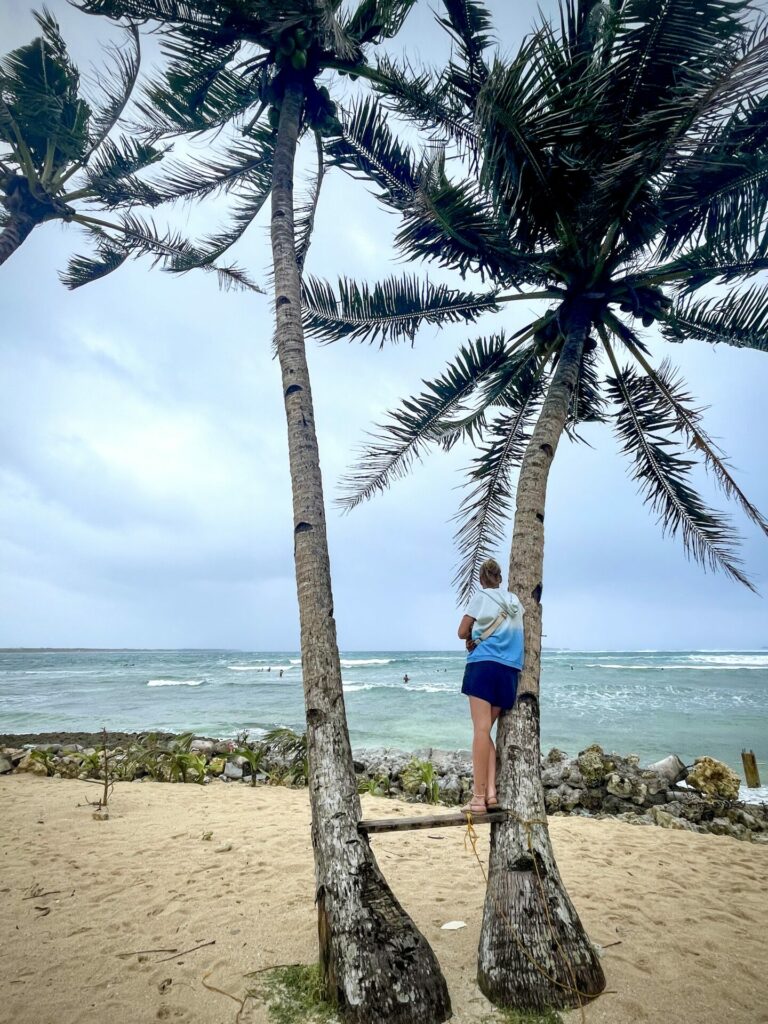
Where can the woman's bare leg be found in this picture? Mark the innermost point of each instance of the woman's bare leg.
(482, 721)
(490, 792)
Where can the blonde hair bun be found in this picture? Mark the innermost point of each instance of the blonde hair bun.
(490, 572)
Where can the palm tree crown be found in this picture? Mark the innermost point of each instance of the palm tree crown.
(61, 160)
(57, 156)
(617, 163)
(229, 65)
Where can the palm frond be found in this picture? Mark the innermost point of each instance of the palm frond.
(495, 393)
(40, 108)
(376, 20)
(304, 223)
(366, 147)
(426, 100)
(666, 48)
(335, 35)
(417, 423)
(644, 428)
(252, 195)
(739, 319)
(453, 224)
(199, 90)
(111, 87)
(111, 172)
(168, 249)
(486, 509)
(392, 310)
(705, 264)
(469, 24)
(674, 71)
(716, 193)
(110, 254)
(688, 423)
(588, 402)
(248, 160)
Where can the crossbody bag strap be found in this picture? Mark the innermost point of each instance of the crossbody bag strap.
(493, 626)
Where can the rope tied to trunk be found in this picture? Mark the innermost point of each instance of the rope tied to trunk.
(470, 840)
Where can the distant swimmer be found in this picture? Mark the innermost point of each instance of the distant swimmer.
(281, 673)
(405, 678)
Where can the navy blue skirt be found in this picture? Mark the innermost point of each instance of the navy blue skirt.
(491, 681)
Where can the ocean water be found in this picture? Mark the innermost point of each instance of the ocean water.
(651, 703)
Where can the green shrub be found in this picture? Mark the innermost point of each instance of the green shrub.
(255, 758)
(417, 772)
(290, 749)
(379, 786)
(46, 759)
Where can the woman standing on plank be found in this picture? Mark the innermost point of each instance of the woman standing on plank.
(493, 630)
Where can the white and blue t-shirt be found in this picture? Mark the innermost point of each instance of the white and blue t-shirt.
(505, 644)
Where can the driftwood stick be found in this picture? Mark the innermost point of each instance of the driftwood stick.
(272, 967)
(39, 895)
(212, 988)
(136, 952)
(184, 952)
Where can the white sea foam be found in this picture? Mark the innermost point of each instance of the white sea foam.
(175, 682)
(674, 668)
(259, 668)
(730, 660)
(753, 796)
(353, 662)
(354, 687)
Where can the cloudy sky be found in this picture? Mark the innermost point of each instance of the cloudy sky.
(144, 490)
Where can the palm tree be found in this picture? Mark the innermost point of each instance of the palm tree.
(615, 167)
(60, 161)
(250, 71)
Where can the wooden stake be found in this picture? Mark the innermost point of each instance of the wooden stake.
(750, 768)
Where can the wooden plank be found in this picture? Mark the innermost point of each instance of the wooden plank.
(453, 820)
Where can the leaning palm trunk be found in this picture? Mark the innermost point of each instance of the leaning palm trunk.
(376, 964)
(13, 236)
(534, 952)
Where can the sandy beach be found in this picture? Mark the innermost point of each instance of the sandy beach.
(689, 912)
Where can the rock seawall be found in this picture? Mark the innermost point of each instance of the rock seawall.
(594, 783)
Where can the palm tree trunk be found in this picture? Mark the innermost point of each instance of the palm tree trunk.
(13, 235)
(534, 953)
(376, 964)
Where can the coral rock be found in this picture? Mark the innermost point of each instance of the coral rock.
(713, 778)
(591, 765)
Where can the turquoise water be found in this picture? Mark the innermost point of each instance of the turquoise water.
(648, 702)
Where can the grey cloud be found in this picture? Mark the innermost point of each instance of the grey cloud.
(144, 488)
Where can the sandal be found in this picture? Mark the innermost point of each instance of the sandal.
(476, 805)
(492, 803)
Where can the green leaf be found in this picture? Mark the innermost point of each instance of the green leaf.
(486, 509)
(646, 434)
(110, 255)
(454, 225)
(112, 168)
(376, 20)
(669, 386)
(367, 147)
(469, 24)
(739, 319)
(39, 102)
(420, 420)
(392, 310)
